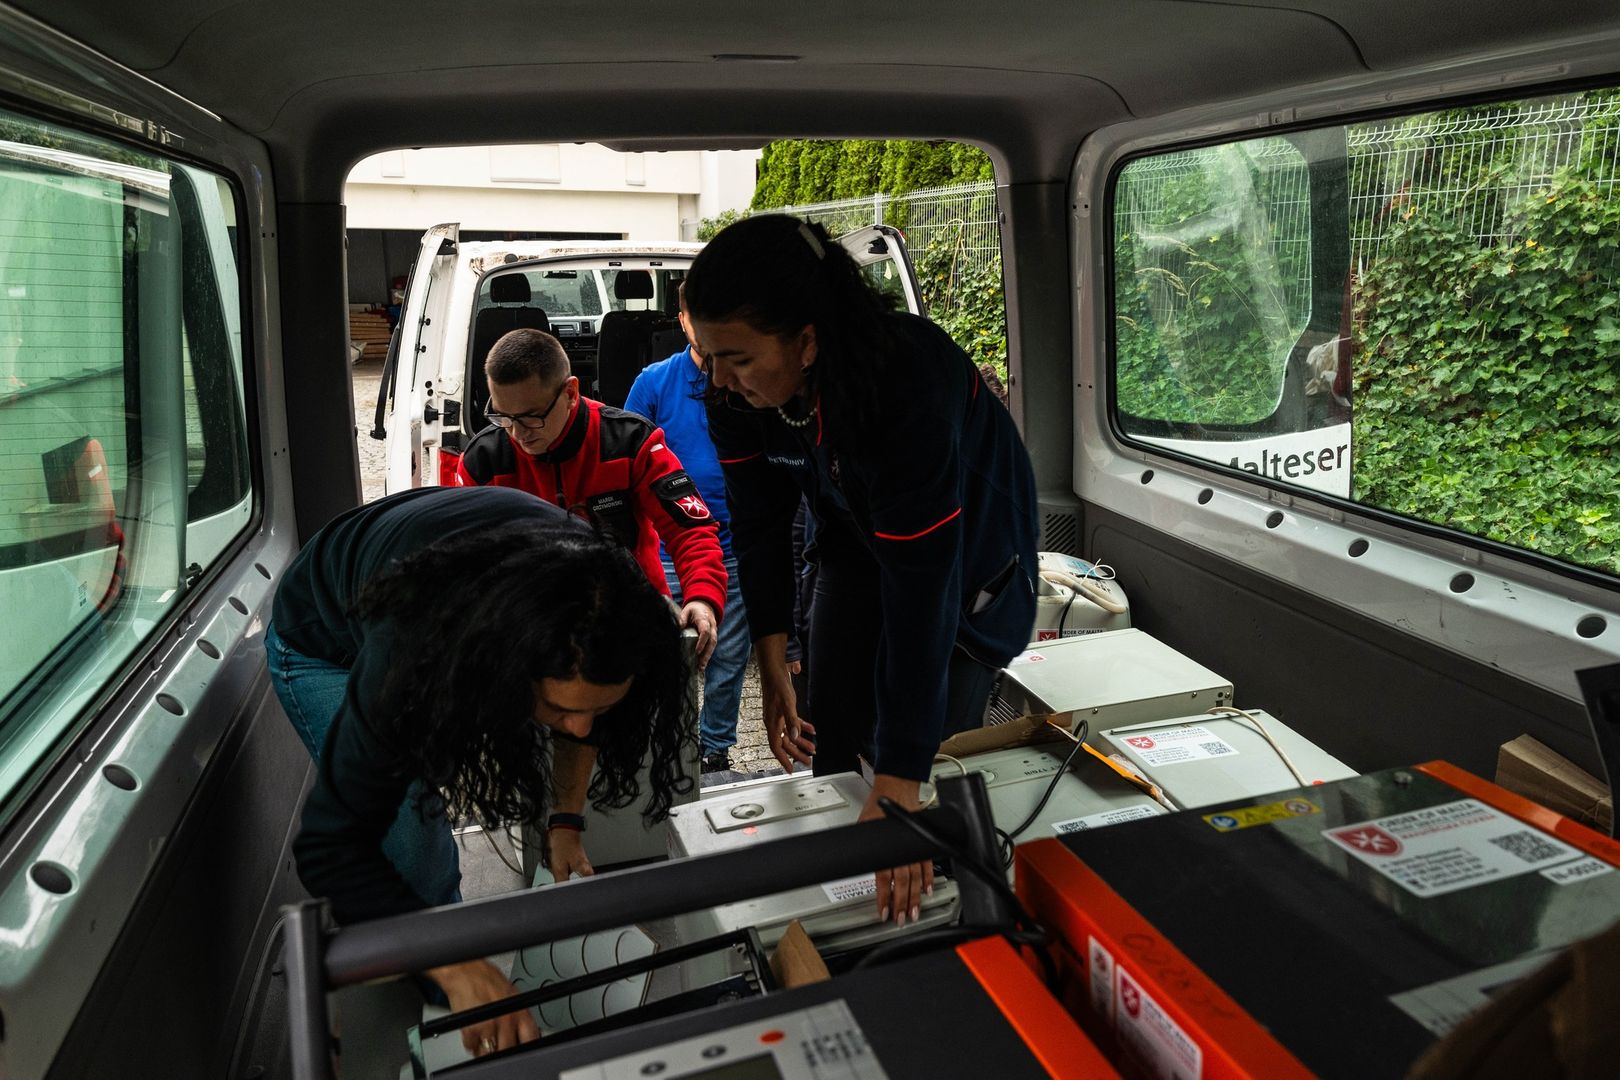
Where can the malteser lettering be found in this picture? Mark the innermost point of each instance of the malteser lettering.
(1292, 466)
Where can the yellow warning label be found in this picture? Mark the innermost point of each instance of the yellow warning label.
(1243, 817)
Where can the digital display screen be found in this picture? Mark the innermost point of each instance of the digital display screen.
(759, 1067)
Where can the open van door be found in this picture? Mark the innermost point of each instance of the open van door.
(881, 252)
(414, 427)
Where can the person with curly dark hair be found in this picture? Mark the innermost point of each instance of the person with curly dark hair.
(456, 653)
(923, 497)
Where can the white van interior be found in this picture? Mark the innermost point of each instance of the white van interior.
(176, 412)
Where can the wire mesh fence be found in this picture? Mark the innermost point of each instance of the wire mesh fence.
(1482, 162)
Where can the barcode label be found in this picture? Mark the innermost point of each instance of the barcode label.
(1528, 846)
(851, 888)
(1215, 748)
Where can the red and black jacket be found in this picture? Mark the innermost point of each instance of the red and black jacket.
(613, 469)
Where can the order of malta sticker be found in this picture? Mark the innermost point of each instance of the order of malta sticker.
(1155, 1039)
(1457, 845)
(1172, 746)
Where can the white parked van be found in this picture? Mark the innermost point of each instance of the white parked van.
(612, 304)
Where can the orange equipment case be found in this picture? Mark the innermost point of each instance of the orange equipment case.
(1336, 930)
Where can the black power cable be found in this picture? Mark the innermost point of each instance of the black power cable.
(1008, 838)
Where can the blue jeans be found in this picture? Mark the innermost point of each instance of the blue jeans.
(723, 681)
(421, 848)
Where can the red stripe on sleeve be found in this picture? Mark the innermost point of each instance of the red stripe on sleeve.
(738, 460)
(947, 518)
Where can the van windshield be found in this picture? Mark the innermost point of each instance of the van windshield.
(565, 292)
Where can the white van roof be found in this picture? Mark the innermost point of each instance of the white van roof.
(483, 255)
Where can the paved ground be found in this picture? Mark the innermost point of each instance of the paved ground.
(748, 758)
(367, 377)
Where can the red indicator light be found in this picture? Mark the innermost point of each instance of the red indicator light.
(772, 1037)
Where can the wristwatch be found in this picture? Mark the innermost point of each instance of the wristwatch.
(566, 821)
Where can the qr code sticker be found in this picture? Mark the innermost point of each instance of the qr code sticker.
(1214, 748)
(1527, 846)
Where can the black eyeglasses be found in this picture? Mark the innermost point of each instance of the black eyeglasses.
(529, 421)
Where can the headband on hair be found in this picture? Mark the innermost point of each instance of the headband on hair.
(810, 238)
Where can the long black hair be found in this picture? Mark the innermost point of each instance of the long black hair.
(490, 613)
(779, 274)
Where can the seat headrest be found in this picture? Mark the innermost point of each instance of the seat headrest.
(633, 285)
(509, 289)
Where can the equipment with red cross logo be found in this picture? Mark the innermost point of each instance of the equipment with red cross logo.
(1239, 939)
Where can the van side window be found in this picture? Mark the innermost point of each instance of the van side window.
(1417, 313)
(124, 469)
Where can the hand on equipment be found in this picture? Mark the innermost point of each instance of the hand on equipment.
(478, 982)
(787, 733)
(700, 617)
(900, 889)
(566, 854)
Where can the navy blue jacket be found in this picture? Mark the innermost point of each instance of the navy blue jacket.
(943, 495)
(363, 776)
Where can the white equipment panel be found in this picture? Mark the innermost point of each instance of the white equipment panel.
(1088, 797)
(1219, 757)
(836, 914)
(559, 961)
(1108, 679)
(819, 1043)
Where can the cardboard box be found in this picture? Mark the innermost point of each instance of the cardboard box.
(796, 961)
(1024, 731)
(1532, 769)
(1557, 1022)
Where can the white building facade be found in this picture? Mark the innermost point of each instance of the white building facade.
(562, 188)
(529, 192)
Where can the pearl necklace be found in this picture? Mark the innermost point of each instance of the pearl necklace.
(792, 423)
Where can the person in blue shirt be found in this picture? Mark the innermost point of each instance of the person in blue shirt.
(670, 394)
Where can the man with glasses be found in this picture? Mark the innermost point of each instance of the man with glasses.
(605, 465)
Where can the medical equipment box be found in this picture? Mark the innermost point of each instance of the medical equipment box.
(1216, 757)
(1335, 930)
(975, 1010)
(1107, 679)
(1088, 796)
(838, 915)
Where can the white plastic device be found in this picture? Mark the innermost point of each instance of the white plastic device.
(1220, 757)
(836, 914)
(1107, 679)
(1094, 581)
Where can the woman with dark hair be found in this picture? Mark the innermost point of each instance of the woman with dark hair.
(454, 653)
(924, 503)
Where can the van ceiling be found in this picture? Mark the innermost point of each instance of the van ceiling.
(326, 81)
